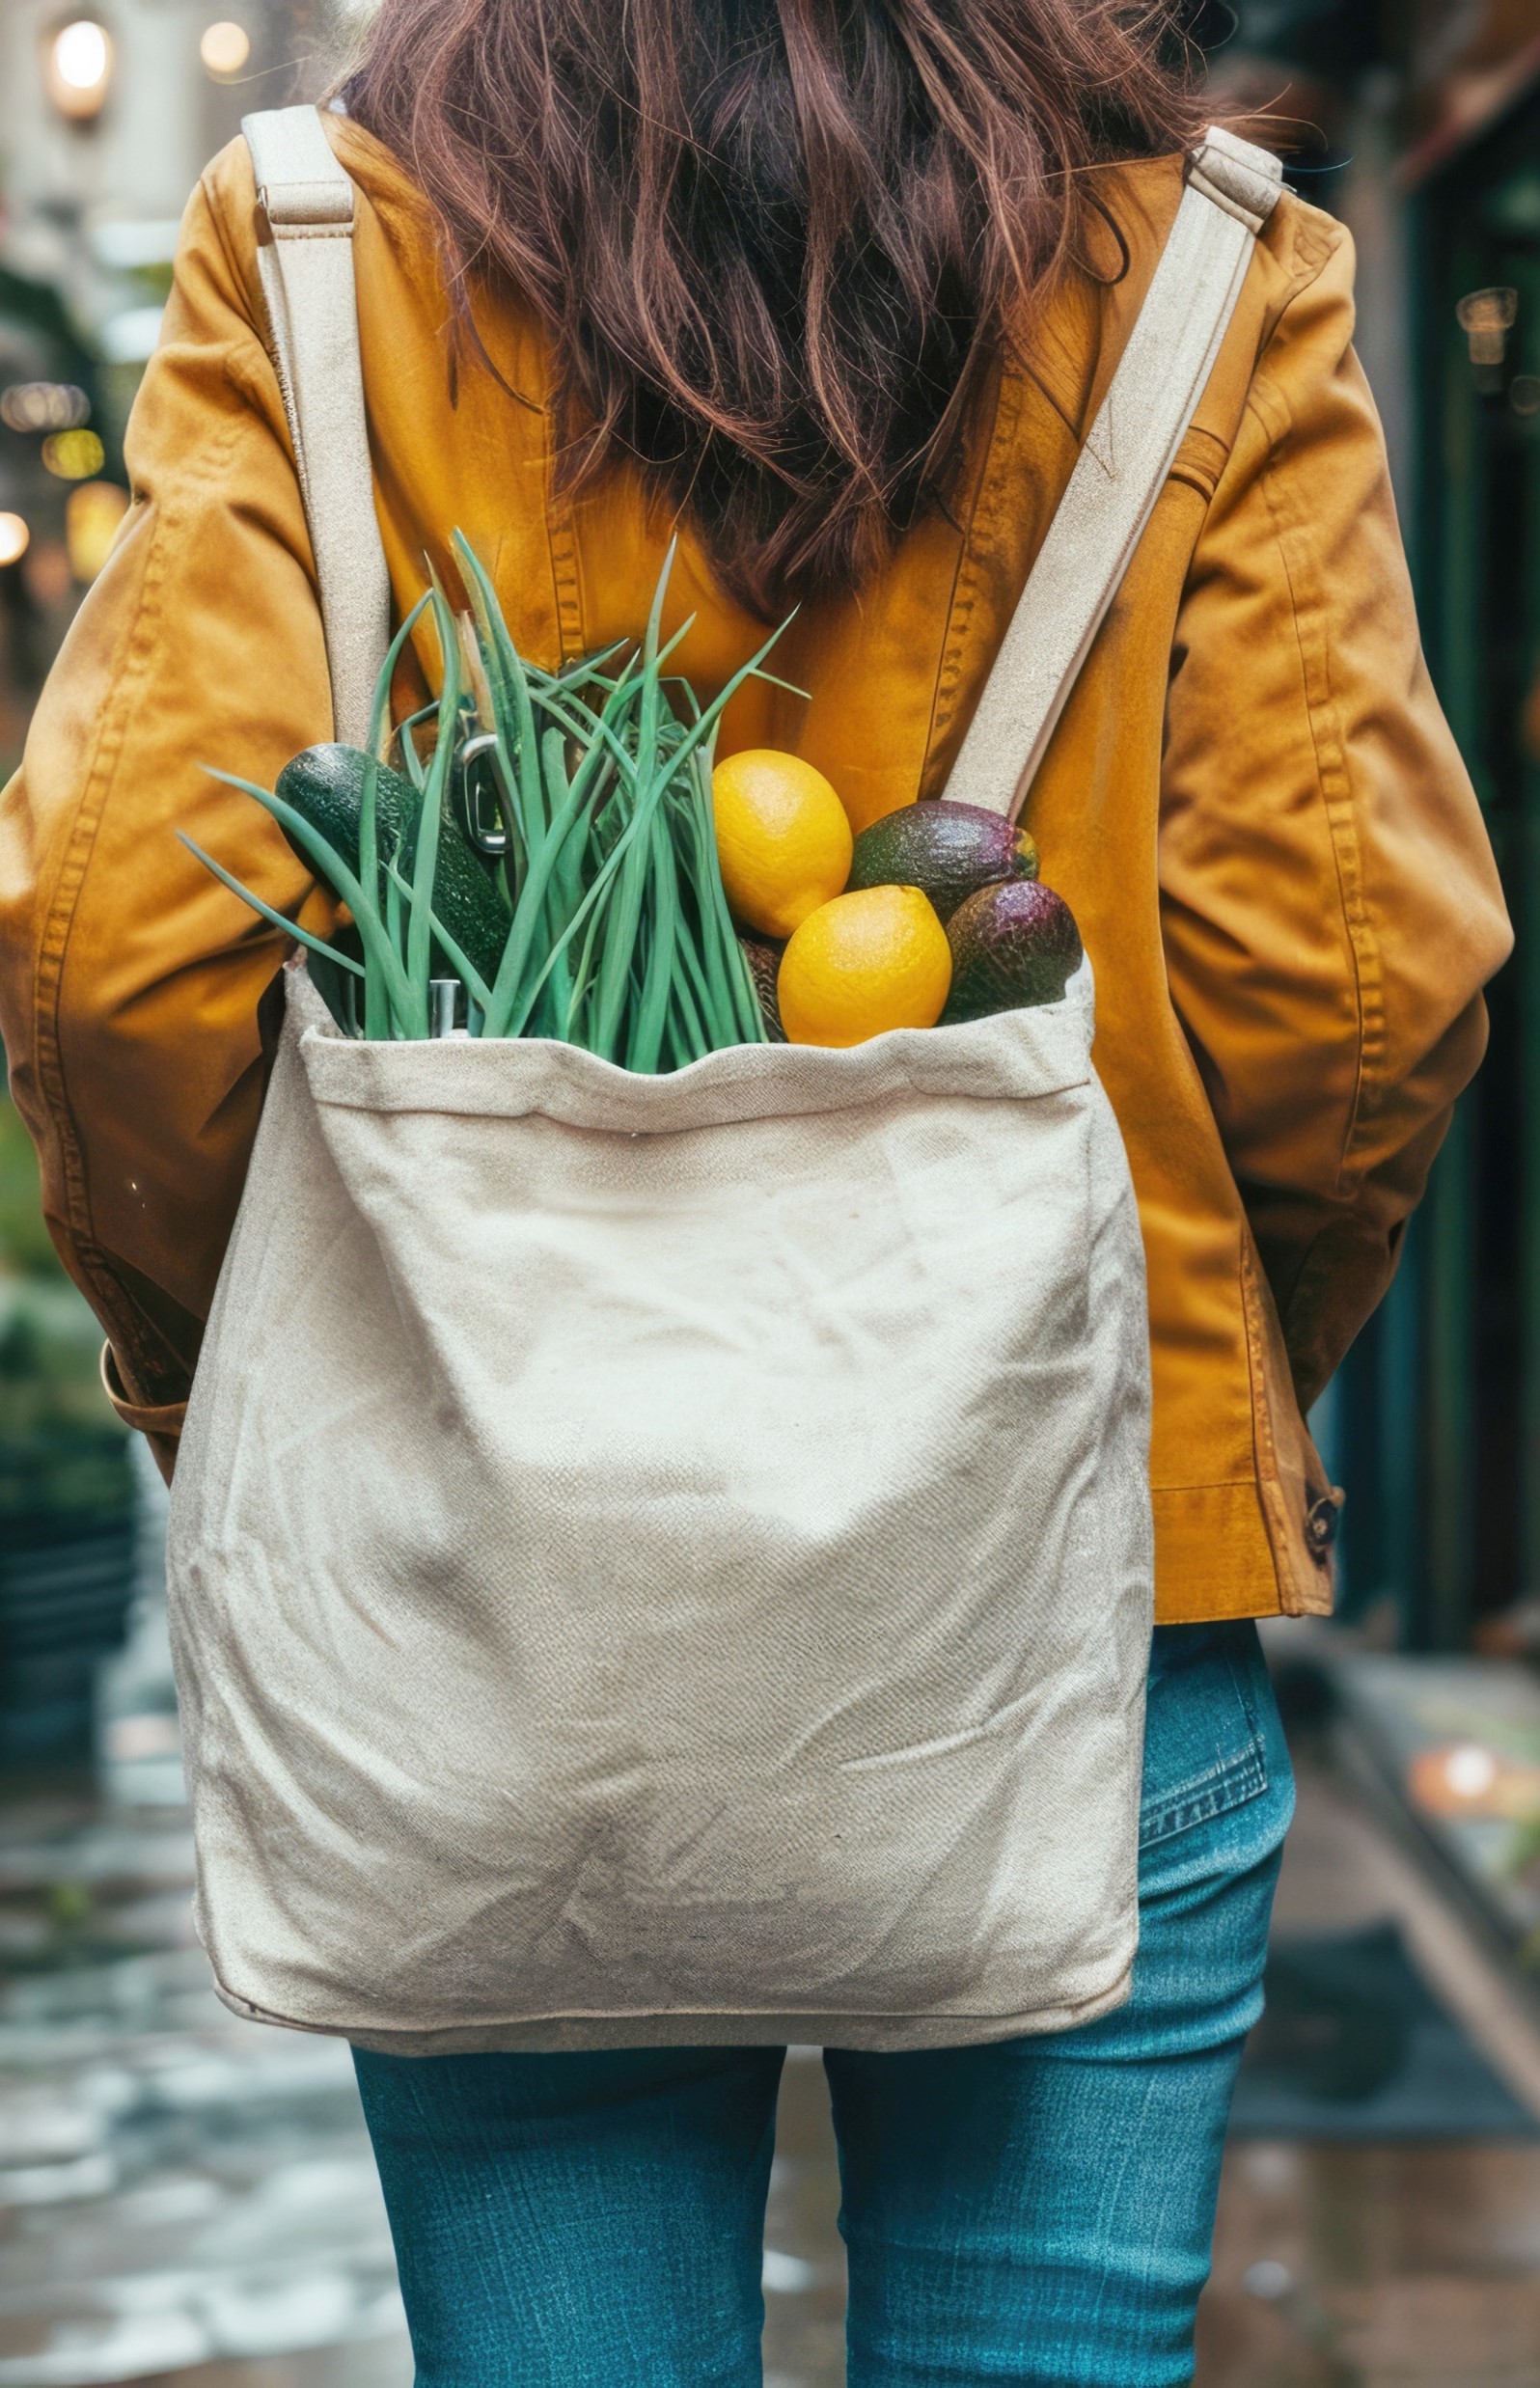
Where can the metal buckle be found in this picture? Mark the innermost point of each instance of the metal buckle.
(475, 804)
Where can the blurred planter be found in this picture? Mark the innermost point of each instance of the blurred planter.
(66, 1587)
(67, 1494)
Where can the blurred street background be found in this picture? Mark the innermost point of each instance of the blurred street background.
(186, 2198)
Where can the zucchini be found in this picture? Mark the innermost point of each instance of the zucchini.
(326, 784)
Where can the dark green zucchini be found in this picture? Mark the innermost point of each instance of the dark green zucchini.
(326, 784)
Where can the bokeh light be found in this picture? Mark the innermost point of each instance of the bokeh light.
(43, 407)
(91, 516)
(15, 537)
(79, 67)
(1470, 1770)
(49, 579)
(74, 456)
(225, 49)
(1486, 317)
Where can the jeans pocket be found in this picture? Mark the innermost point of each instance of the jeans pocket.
(1210, 1727)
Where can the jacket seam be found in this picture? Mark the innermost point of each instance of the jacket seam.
(984, 511)
(1316, 239)
(560, 535)
(1309, 613)
(1269, 1475)
(567, 585)
(562, 550)
(53, 946)
(58, 923)
(1210, 1484)
(262, 331)
(1313, 242)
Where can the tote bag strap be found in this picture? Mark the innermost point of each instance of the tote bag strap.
(305, 256)
(1231, 190)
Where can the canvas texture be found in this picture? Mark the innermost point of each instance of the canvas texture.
(670, 1559)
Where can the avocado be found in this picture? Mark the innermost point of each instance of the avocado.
(326, 784)
(948, 851)
(1011, 946)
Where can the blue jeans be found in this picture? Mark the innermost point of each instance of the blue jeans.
(1038, 2211)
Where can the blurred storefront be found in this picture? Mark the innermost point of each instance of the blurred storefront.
(1418, 123)
(108, 119)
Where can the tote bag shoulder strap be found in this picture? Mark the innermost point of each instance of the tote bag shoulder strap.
(305, 256)
(1231, 189)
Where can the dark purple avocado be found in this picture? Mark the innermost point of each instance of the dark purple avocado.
(1011, 947)
(947, 851)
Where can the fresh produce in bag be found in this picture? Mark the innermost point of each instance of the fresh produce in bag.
(1011, 945)
(868, 962)
(948, 851)
(569, 860)
(782, 838)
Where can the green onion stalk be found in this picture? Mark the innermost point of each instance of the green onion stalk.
(617, 935)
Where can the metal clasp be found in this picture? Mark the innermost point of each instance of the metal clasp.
(476, 797)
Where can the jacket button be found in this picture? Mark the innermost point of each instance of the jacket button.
(1320, 1525)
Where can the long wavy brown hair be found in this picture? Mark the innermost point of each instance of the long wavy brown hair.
(773, 241)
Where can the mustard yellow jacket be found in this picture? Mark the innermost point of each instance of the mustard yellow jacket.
(1253, 803)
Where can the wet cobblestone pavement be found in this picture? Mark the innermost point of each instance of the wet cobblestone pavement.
(182, 2196)
(186, 2196)
(178, 2189)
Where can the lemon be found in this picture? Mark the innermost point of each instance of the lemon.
(862, 964)
(782, 838)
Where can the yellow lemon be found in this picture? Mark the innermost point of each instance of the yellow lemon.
(782, 838)
(865, 963)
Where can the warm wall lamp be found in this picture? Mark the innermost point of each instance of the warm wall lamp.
(1486, 317)
(225, 51)
(77, 68)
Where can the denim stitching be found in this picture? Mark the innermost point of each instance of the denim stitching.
(1244, 1778)
(1221, 1787)
(1244, 1694)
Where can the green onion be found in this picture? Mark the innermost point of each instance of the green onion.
(619, 937)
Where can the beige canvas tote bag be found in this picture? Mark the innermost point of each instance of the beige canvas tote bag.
(669, 1559)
